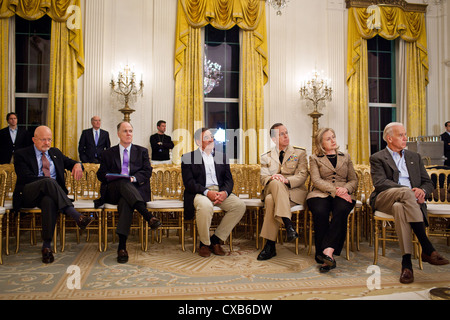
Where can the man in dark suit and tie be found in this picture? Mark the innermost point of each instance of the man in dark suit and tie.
(446, 138)
(208, 182)
(129, 192)
(12, 138)
(401, 186)
(93, 142)
(41, 183)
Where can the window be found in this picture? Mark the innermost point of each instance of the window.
(221, 87)
(382, 89)
(32, 65)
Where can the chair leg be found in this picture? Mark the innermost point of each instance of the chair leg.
(375, 246)
(7, 233)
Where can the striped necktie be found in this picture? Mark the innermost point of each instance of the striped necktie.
(45, 165)
(125, 162)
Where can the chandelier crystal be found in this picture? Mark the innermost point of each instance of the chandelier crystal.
(277, 5)
(212, 75)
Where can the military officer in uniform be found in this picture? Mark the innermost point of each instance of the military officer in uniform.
(284, 170)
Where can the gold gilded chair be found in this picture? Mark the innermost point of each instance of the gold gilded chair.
(85, 191)
(438, 204)
(167, 202)
(384, 230)
(3, 180)
(9, 189)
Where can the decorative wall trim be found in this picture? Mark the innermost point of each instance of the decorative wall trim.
(416, 7)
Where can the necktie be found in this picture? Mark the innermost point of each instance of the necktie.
(96, 137)
(45, 165)
(281, 156)
(125, 162)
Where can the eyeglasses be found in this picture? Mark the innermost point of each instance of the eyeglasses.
(206, 138)
(45, 140)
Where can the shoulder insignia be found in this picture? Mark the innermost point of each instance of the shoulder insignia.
(295, 147)
(267, 153)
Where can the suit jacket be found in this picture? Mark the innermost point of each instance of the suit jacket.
(87, 148)
(26, 168)
(194, 178)
(140, 168)
(7, 147)
(385, 175)
(166, 145)
(446, 138)
(325, 177)
(294, 168)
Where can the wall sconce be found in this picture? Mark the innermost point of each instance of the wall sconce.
(126, 87)
(316, 91)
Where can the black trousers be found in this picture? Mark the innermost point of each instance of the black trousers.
(330, 233)
(47, 195)
(124, 194)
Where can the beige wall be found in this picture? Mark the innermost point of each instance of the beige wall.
(308, 35)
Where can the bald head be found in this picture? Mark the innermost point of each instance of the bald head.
(42, 138)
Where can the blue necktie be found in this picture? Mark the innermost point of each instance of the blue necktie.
(125, 162)
(96, 137)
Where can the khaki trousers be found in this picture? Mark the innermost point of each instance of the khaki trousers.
(401, 203)
(277, 206)
(234, 210)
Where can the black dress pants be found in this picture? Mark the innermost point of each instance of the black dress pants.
(330, 233)
(125, 195)
(47, 195)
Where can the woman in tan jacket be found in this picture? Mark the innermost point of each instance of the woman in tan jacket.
(333, 181)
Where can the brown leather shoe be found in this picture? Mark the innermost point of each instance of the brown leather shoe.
(217, 249)
(407, 276)
(47, 255)
(204, 251)
(435, 258)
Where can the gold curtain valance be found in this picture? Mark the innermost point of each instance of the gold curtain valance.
(394, 22)
(221, 14)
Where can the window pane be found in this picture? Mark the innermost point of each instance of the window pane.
(232, 35)
(372, 44)
(385, 91)
(383, 44)
(232, 85)
(386, 117)
(373, 90)
(374, 142)
(214, 35)
(374, 119)
(373, 64)
(33, 112)
(385, 67)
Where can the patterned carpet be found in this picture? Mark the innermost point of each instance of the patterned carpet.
(166, 272)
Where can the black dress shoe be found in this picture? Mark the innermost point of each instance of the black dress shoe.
(47, 255)
(84, 221)
(267, 253)
(154, 223)
(122, 256)
(329, 261)
(291, 234)
(325, 268)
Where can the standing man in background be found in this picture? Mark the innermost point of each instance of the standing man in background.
(93, 142)
(161, 145)
(446, 138)
(12, 138)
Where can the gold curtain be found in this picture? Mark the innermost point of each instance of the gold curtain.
(192, 15)
(393, 22)
(66, 62)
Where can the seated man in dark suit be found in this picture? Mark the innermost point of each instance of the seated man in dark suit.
(93, 142)
(130, 192)
(446, 138)
(208, 182)
(12, 138)
(401, 186)
(41, 183)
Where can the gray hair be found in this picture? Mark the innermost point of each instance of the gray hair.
(388, 129)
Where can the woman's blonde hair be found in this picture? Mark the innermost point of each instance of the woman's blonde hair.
(320, 151)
